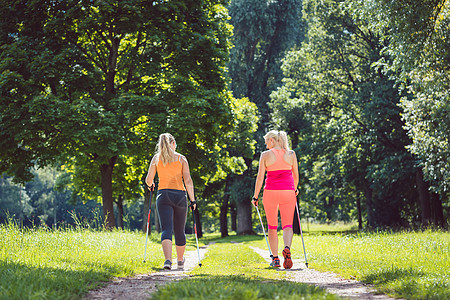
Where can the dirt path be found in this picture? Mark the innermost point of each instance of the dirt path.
(350, 289)
(142, 286)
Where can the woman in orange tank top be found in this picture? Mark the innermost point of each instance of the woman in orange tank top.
(171, 202)
(279, 191)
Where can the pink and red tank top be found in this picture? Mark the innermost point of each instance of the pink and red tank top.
(279, 174)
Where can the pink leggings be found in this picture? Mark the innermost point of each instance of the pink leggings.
(284, 200)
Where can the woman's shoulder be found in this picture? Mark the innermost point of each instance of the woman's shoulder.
(290, 157)
(180, 157)
(265, 153)
(155, 159)
(290, 152)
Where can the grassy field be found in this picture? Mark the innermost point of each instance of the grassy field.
(410, 265)
(64, 264)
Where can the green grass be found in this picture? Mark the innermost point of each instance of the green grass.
(65, 264)
(411, 265)
(329, 228)
(233, 271)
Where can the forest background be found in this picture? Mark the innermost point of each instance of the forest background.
(361, 88)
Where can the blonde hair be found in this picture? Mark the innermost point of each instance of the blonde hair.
(166, 153)
(280, 137)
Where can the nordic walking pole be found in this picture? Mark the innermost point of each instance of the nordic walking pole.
(148, 218)
(301, 233)
(195, 230)
(262, 226)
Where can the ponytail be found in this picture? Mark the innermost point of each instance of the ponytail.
(166, 153)
(280, 137)
(283, 140)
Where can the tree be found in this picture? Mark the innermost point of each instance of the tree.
(15, 203)
(45, 201)
(352, 141)
(418, 35)
(93, 83)
(237, 146)
(263, 31)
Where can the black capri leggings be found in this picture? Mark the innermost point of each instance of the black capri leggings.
(172, 210)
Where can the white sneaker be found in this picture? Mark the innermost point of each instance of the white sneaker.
(180, 264)
(167, 265)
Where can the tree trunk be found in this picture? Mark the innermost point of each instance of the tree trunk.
(233, 214)
(106, 171)
(369, 204)
(244, 206)
(358, 206)
(437, 212)
(329, 203)
(119, 204)
(224, 210)
(424, 198)
(224, 217)
(112, 65)
(244, 217)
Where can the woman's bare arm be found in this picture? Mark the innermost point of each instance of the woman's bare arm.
(189, 184)
(149, 180)
(260, 176)
(294, 168)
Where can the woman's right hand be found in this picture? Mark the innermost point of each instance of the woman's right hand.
(255, 201)
(151, 187)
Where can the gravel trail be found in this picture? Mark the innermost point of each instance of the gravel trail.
(142, 286)
(349, 289)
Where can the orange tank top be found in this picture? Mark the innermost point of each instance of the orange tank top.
(171, 175)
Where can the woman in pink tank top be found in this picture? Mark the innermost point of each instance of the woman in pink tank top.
(279, 191)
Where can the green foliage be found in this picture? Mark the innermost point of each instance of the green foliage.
(48, 201)
(344, 117)
(241, 189)
(14, 200)
(235, 149)
(418, 33)
(263, 31)
(96, 82)
(237, 143)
